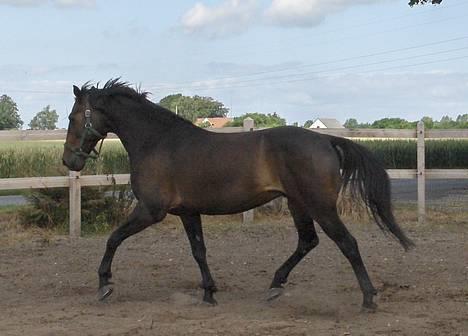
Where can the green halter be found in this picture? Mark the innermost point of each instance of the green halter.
(88, 130)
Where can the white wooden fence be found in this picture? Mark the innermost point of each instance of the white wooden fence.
(75, 181)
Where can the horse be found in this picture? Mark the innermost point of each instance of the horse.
(175, 169)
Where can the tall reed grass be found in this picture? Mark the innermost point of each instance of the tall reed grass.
(44, 158)
(401, 154)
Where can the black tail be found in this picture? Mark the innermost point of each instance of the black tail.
(365, 176)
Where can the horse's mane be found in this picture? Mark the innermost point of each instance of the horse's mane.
(116, 87)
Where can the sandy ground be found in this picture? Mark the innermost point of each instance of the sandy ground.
(48, 284)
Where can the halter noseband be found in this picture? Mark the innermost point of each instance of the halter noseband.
(88, 130)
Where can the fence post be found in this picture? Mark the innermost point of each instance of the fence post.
(421, 173)
(75, 204)
(248, 216)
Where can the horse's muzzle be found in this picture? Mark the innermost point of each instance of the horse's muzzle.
(73, 162)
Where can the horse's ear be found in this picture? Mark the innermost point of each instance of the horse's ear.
(76, 91)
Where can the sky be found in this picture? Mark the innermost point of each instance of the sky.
(303, 59)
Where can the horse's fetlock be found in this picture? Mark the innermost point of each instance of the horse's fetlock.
(279, 280)
(105, 274)
(212, 288)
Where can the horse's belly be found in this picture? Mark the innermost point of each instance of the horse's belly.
(225, 204)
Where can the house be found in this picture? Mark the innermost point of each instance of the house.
(212, 122)
(326, 123)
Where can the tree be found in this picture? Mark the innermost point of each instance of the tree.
(351, 123)
(446, 122)
(194, 107)
(462, 121)
(44, 120)
(9, 117)
(393, 123)
(428, 122)
(308, 123)
(260, 120)
(422, 2)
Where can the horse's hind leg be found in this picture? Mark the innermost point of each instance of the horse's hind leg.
(138, 220)
(193, 228)
(332, 225)
(307, 240)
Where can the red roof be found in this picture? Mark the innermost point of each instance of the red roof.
(214, 122)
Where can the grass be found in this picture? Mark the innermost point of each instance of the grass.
(44, 158)
(401, 154)
(13, 192)
(12, 232)
(9, 210)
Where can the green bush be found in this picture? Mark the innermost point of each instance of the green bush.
(102, 208)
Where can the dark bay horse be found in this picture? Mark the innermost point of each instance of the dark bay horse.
(181, 169)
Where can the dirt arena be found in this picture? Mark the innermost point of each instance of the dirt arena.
(48, 284)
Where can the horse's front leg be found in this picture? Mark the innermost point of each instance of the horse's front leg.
(138, 220)
(192, 225)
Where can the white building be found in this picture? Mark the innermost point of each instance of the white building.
(326, 123)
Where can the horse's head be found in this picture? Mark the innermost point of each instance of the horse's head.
(87, 126)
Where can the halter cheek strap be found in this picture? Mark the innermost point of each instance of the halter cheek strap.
(88, 130)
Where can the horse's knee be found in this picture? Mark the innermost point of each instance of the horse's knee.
(306, 245)
(113, 242)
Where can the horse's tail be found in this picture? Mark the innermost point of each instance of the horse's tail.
(366, 177)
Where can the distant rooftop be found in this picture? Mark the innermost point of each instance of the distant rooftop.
(326, 123)
(213, 122)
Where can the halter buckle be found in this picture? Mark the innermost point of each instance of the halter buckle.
(88, 123)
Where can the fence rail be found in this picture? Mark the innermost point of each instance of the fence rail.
(75, 181)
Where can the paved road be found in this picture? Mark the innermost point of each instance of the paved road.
(436, 190)
(403, 191)
(12, 200)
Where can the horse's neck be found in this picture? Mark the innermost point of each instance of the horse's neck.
(140, 127)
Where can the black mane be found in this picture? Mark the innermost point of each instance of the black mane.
(116, 87)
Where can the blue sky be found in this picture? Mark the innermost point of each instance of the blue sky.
(304, 59)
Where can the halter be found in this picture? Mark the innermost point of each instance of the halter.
(88, 130)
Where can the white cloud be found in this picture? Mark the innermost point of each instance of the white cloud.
(307, 13)
(74, 3)
(56, 3)
(231, 16)
(234, 16)
(21, 3)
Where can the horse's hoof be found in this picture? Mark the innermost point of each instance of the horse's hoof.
(104, 292)
(210, 301)
(274, 293)
(369, 308)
